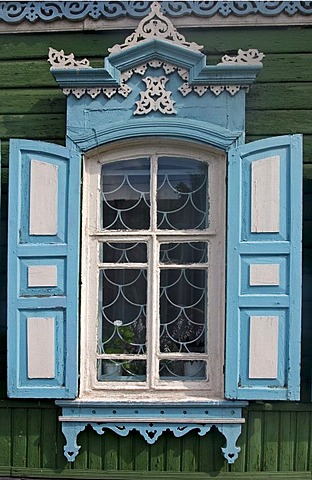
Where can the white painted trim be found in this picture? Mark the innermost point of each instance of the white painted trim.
(265, 195)
(90, 388)
(42, 275)
(40, 347)
(263, 347)
(264, 274)
(43, 202)
(187, 21)
(169, 420)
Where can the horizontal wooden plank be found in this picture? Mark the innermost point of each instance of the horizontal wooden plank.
(37, 45)
(19, 474)
(32, 126)
(15, 101)
(280, 96)
(79, 473)
(286, 68)
(267, 40)
(26, 74)
(278, 122)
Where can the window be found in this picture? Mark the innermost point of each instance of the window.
(153, 264)
(152, 298)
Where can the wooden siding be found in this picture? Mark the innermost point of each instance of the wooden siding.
(277, 437)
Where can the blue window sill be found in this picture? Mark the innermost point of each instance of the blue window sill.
(151, 420)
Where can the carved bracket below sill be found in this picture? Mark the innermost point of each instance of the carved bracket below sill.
(151, 421)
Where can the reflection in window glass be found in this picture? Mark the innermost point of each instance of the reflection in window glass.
(126, 195)
(191, 370)
(123, 312)
(117, 252)
(121, 370)
(191, 252)
(182, 193)
(183, 299)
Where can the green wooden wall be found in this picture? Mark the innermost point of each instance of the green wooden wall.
(276, 440)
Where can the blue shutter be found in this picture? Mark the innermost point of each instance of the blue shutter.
(264, 270)
(43, 262)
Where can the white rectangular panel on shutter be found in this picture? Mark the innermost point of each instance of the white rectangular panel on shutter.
(40, 347)
(263, 347)
(265, 194)
(42, 276)
(264, 274)
(43, 198)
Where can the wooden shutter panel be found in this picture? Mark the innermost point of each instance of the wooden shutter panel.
(43, 264)
(264, 270)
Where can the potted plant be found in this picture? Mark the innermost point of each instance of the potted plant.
(184, 336)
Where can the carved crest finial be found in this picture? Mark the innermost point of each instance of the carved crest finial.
(155, 25)
(244, 57)
(60, 60)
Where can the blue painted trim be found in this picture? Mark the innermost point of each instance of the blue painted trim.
(145, 51)
(86, 77)
(64, 308)
(202, 132)
(295, 275)
(151, 420)
(148, 50)
(225, 75)
(17, 12)
(240, 242)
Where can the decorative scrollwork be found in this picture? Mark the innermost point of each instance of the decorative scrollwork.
(151, 420)
(231, 433)
(17, 12)
(155, 97)
(70, 432)
(155, 25)
(186, 88)
(60, 60)
(249, 57)
(151, 432)
(124, 89)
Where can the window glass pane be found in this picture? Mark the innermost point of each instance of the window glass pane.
(121, 370)
(122, 325)
(114, 252)
(192, 370)
(192, 252)
(182, 194)
(183, 300)
(125, 191)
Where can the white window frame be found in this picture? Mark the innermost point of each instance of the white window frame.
(90, 387)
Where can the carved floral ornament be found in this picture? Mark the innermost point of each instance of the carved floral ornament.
(155, 97)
